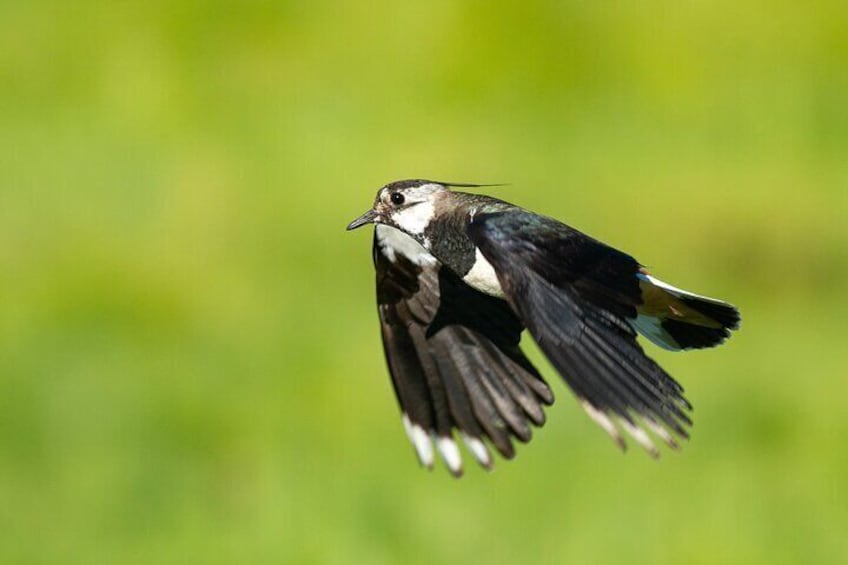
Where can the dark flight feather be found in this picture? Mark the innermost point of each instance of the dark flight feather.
(454, 358)
(576, 295)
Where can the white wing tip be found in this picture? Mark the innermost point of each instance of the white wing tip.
(420, 440)
(450, 453)
(637, 433)
(662, 433)
(605, 423)
(423, 442)
(479, 450)
(641, 437)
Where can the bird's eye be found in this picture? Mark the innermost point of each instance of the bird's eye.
(397, 198)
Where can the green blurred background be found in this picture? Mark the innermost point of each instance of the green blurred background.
(190, 366)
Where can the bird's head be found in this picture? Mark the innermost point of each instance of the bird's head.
(407, 205)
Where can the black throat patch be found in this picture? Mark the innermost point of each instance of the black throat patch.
(449, 241)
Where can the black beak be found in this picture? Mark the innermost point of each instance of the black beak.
(367, 218)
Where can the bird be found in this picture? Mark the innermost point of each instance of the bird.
(460, 276)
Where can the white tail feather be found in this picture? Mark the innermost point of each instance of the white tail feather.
(678, 292)
(651, 328)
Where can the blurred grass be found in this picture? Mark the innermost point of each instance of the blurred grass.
(190, 369)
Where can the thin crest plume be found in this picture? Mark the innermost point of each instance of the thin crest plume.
(470, 185)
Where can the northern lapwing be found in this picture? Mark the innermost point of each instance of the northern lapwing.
(460, 276)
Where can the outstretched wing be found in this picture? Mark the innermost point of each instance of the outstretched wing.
(454, 357)
(577, 297)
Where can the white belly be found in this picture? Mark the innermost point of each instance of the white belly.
(394, 242)
(482, 277)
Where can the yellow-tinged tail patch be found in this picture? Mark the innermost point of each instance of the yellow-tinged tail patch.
(676, 319)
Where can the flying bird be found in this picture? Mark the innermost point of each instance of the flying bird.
(460, 276)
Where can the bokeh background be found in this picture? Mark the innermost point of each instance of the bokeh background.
(190, 367)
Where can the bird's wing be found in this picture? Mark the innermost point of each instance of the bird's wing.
(454, 357)
(577, 296)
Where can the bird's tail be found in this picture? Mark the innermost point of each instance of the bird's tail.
(676, 319)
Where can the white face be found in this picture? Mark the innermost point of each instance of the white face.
(409, 209)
